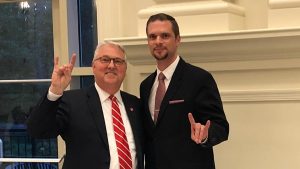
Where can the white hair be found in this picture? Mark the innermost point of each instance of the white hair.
(101, 44)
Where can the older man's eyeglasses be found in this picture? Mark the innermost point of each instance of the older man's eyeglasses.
(106, 60)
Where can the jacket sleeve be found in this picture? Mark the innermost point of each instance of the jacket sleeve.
(209, 107)
(47, 119)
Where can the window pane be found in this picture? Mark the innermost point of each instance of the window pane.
(26, 40)
(17, 100)
(87, 20)
(86, 81)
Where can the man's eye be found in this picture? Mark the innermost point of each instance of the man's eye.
(105, 60)
(151, 37)
(118, 61)
(165, 36)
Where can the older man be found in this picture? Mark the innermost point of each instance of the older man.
(100, 124)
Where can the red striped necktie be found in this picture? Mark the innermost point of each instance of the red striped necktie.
(120, 136)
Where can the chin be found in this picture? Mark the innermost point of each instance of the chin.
(161, 57)
(110, 81)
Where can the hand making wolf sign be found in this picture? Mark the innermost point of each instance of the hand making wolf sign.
(199, 132)
(61, 75)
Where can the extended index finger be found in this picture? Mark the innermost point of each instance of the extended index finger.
(73, 59)
(191, 118)
(55, 60)
(207, 125)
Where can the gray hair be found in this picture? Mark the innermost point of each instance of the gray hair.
(101, 44)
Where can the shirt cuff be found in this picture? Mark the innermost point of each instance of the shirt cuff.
(204, 141)
(52, 97)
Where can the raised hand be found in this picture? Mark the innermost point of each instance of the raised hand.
(199, 132)
(61, 75)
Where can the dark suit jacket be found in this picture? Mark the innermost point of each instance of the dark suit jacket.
(168, 143)
(77, 116)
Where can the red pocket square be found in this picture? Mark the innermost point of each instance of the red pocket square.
(175, 101)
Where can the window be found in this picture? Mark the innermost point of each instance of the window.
(26, 61)
(82, 37)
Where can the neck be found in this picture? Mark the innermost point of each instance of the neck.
(110, 89)
(163, 64)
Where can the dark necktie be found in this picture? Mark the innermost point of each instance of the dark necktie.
(120, 136)
(160, 93)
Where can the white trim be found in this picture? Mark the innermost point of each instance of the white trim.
(32, 160)
(193, 8)
(260, 95)
(25, 81)
(10, 1)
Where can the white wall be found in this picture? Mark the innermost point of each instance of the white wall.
(256, 12)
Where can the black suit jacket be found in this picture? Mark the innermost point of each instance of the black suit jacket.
(168, 143)
(77, 116)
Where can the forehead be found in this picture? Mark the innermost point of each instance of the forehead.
(158, 27)
(110, 50)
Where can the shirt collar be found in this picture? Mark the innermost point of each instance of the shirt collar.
(105, 96)
(169, 71)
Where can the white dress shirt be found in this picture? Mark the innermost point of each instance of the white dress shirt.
(106, 108)
(168, 72)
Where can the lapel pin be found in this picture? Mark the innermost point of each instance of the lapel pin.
(131, 109)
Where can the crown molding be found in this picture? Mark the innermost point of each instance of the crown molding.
(263, 44)
(192, 8)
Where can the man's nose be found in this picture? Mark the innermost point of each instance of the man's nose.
(158, 39)
(111, 63)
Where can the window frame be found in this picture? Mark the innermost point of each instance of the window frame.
(65, 42)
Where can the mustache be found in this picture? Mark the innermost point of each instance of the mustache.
(113, 72)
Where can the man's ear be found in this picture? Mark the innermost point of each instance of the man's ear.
(178, 40)
(93, 66)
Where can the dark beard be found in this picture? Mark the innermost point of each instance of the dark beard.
(163, 58)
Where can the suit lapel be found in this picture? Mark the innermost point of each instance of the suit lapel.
(133, 113)
(97, 113)
(148, 87)
(174, 85)
(130, 110)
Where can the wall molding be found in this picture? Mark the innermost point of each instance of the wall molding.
(193, 8)
(260, 95)
(278, 4)
(248, 45)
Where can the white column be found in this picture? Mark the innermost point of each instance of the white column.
(197, 16)
(283, 13)
(109, 19)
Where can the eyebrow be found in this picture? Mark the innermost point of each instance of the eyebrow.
(113, 57)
